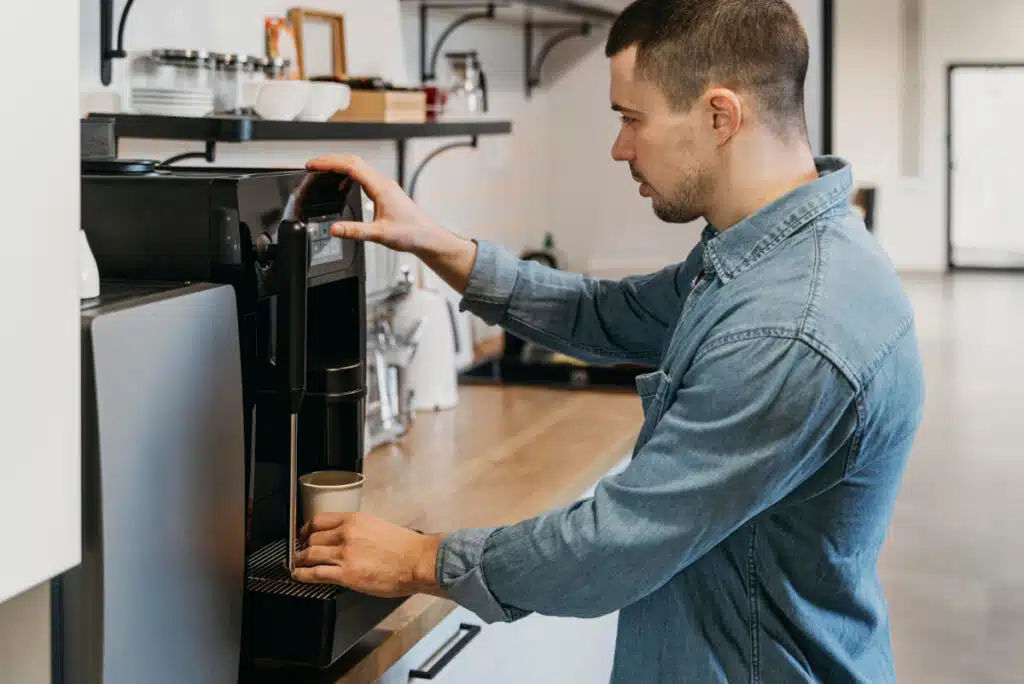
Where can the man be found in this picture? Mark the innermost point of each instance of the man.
(741, 543)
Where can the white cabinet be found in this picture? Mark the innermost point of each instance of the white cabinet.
(40, 484)
(535, 650)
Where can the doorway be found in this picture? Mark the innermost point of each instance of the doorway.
(985, 143)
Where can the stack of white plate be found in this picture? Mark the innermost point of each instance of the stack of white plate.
(172, 101)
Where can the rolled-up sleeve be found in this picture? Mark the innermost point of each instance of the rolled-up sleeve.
(592, 319)
(752, 420)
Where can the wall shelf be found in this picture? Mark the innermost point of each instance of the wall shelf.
(536, 17)
(235, 129)
(238, 129)
(515, 10)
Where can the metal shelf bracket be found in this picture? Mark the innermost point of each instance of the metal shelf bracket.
(532, 64)
(473, 143)
(109, 49)
(428, 69)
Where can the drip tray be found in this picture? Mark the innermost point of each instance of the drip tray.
(309, 625)
(268, 574)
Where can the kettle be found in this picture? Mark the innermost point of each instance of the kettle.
(432, 374)
(467, 88)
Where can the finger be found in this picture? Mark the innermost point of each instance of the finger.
(326, 521)
(332, 537)
(318, 555)
(372, 180)
(354, 230)
(333, 162)
(319, 574)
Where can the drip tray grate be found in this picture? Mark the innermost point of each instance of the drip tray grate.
(268, 574)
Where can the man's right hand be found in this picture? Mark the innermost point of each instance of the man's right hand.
(399, 224)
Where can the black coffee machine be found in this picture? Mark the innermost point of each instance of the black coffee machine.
(302, 332)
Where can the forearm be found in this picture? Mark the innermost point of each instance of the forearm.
(491, 288)
(450, 256)
(560, 564)
(756, 419)
(595, 320)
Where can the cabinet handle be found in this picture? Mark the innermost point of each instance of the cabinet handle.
(472, 632)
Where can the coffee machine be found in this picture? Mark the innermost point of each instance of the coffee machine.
(301, 318)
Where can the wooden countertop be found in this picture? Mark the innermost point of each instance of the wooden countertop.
(501, 456)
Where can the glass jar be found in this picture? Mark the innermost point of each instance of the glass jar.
(277, 68)
(231, 76)
(257, 69)
(467, 87)
(192, 69)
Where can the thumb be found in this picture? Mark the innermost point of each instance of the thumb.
(357, 230)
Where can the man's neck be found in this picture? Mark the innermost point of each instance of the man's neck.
(762, 173)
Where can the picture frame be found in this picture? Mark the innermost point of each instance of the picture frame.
(302, 20)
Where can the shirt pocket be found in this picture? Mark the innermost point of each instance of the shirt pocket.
(652, 388)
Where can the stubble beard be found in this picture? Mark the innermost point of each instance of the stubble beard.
(688, 201)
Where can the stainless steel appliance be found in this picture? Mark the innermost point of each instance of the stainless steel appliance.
(301, 319)
(157, 597)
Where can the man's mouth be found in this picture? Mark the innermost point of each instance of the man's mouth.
(645, 189)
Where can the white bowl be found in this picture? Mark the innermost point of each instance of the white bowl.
(277, 100)
(325, 100)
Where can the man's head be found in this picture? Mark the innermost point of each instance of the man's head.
(696, 80)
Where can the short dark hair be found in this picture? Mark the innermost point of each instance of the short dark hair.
(686, 46)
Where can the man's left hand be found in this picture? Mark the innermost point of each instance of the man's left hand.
(368, 555)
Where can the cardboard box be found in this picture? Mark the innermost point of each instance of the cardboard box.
(385, 106)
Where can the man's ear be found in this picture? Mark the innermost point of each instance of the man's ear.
(726, 113)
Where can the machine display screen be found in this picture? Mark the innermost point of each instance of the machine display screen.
(320, 200)
(324, 248)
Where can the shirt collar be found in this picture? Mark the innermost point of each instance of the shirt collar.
(730, 252)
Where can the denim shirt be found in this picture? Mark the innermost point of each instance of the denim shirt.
(741, 543)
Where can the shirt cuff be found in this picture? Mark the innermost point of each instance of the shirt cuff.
(460, 573)
(491, 283)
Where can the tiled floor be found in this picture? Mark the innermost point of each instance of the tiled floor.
(953, 566)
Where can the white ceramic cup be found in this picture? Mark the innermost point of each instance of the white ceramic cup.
(325, 99)
(330, 491)
(276, 100)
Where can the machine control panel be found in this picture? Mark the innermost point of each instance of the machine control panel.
(325, 249)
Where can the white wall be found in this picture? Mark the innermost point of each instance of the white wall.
(869, 102)
(867, 105)
(39, 339)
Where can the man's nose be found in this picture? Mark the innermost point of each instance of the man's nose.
(621, 149)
